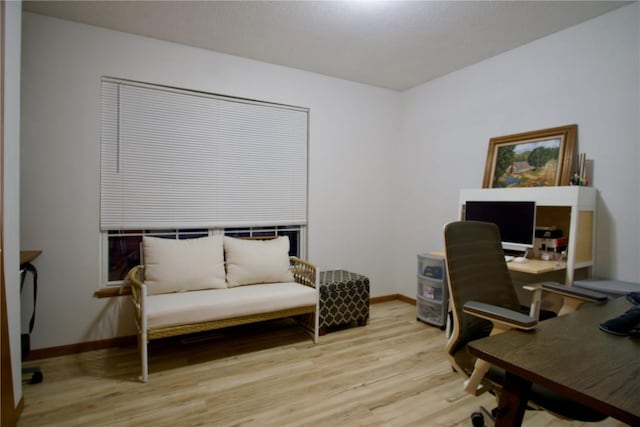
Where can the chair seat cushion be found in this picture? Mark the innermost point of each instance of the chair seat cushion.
(186, 308)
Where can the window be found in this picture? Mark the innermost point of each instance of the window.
(182, 164)
(179, 159)
(123, 249)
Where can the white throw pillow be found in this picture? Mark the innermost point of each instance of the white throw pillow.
(257, 261)
(172, 265)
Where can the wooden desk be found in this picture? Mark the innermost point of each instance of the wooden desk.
(536, 266)
(532, 266)
(27, 256)
(571, 356)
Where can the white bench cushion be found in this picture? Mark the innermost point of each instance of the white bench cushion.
(215, 304)
(257, 261)
(183, 265)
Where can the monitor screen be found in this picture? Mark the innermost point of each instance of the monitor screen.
(516, 221)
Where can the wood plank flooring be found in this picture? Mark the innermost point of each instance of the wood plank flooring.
(392, 372)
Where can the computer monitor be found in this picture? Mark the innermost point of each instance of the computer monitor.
(515, 219)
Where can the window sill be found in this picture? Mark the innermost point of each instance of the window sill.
(112, 291)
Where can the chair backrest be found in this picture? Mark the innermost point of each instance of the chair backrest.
(477, 271)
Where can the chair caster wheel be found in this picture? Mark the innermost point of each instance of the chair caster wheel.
(36, 378)
(477, 419)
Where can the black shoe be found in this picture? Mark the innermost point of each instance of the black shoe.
(623, 324)
(635, 332)
(634, 297)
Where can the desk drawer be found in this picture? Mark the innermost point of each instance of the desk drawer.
(431, 312)
(431, 267)
(431, 289)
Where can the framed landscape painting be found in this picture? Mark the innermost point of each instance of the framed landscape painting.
(540, 158)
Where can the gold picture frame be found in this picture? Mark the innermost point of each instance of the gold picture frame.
(539, 158)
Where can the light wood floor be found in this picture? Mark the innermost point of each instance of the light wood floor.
(392, 372)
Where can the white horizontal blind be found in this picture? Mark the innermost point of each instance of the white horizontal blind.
(178, 159)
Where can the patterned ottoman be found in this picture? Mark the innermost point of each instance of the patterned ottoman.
(344, 298)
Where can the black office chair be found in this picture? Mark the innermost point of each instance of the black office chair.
(34, 371)
(484, 302)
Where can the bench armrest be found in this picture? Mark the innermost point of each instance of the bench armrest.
(135, 278)
(303, 271)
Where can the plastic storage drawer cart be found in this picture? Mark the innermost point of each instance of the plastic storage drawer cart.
(432, 296)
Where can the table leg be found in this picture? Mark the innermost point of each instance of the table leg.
(513, 401)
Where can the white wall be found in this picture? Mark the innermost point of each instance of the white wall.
(352, 127)
(587, 75)
(385, 170)
(638, 118)
(11, 181)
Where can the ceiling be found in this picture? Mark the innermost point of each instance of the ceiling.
(389, 44)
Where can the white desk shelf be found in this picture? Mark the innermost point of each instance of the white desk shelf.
(571, 209)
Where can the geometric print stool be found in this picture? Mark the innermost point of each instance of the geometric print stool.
(344, 298)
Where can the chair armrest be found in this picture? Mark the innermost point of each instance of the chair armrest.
(505, 318)
(572, 298)
(575, 293)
